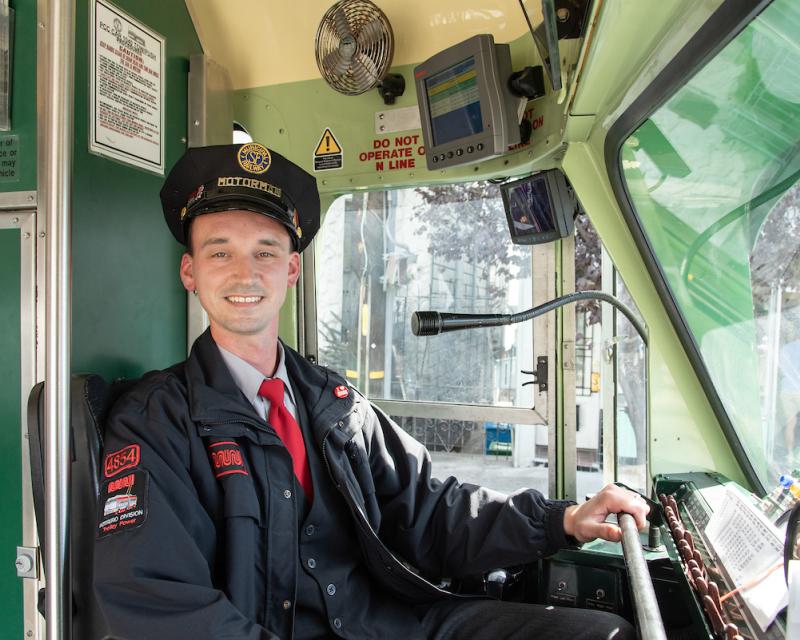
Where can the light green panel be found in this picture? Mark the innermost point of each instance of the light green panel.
(634, 41)
(292, 118)
(685, 434)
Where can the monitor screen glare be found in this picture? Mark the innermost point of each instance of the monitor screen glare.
(454, 102)
(529, 207)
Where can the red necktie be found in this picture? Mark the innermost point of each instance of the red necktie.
(288, 431)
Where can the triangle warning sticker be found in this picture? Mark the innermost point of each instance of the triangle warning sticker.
(328, 144)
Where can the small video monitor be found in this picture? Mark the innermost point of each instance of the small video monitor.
(467, 110)
(539, 208)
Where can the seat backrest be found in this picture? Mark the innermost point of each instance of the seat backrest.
(90, 397)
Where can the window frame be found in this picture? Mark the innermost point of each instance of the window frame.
(727, 22)
(542, 333)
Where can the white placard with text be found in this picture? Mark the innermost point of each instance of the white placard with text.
(126, 85)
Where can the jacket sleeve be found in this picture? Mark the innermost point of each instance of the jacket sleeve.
(153, 573)
(447, 528)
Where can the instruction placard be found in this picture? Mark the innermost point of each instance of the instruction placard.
(9, 158)
(328, 154)
(126, 89)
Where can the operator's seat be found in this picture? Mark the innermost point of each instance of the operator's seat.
(90, 397)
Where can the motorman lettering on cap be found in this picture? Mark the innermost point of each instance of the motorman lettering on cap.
(241, 177)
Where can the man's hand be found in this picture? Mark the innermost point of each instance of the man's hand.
(587, 521)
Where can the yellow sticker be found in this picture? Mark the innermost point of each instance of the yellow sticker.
(327, 145)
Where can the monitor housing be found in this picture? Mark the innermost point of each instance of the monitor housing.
(539, 208)
(467, 110)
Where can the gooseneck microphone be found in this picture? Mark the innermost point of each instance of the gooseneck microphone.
(430, 323)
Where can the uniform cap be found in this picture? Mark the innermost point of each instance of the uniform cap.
(235, 177)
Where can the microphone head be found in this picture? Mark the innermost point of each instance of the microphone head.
(426, 323)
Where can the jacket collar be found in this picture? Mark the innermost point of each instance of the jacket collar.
(215, 397)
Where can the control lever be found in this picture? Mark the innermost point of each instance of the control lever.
(648, 615)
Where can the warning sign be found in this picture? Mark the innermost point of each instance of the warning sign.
(391, 154)
(328, 154)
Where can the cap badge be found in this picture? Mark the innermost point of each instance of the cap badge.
(195, 195)
(254, 157)
(296, 222)
(341, 391)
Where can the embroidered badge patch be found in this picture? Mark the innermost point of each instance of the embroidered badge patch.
(254, 158)
(341, 391)
(122, 504)
(226, 458)
(121, 460)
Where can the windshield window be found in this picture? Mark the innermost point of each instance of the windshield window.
(713, 177)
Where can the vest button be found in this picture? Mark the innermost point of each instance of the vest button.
(331, 589)
(287, 494)
(310, 530)
(311, 563)
(337, 622)
(287, 604)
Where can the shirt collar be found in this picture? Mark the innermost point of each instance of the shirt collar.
(249, 379)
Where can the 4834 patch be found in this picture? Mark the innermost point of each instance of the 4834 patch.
(122, 504)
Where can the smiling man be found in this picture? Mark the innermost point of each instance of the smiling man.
(248, 493)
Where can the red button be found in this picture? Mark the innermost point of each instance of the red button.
(341, 391)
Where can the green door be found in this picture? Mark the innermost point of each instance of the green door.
(11, 610)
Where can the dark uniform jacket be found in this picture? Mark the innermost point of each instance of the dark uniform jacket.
(199, 534)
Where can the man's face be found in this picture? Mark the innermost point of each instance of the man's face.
(241, 266)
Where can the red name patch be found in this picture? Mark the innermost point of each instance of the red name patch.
(226, 458)
(118, 461)
(341, 391)
(122, 483)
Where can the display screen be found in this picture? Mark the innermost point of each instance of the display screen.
(454, 102)
(529, 208)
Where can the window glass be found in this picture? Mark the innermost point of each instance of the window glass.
(713, 177)
(384, 255)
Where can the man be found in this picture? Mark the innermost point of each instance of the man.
(248, 493)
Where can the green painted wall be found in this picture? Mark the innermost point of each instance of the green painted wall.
(11, 471)
(23, 97)
(129, 307)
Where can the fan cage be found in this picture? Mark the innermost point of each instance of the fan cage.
(374, 46)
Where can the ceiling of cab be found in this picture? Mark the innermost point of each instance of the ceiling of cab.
(263, 43)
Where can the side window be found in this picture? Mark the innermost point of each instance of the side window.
(382, 255)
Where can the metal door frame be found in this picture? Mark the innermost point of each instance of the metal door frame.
(17, 211)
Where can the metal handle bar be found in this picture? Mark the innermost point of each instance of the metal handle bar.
(648, 615)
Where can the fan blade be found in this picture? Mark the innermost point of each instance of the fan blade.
(340, 24)
(370, 33)
(364, 71)
(335, 63)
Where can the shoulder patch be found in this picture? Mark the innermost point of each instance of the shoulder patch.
(119, 461)
(122, 504)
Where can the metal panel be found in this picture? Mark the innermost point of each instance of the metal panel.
(25, 222)
(608, 374)
(471, 412)
(210, 105)
(10, 200)
(210, 123)
(570, 453)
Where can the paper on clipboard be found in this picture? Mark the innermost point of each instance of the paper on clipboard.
(748, 547)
